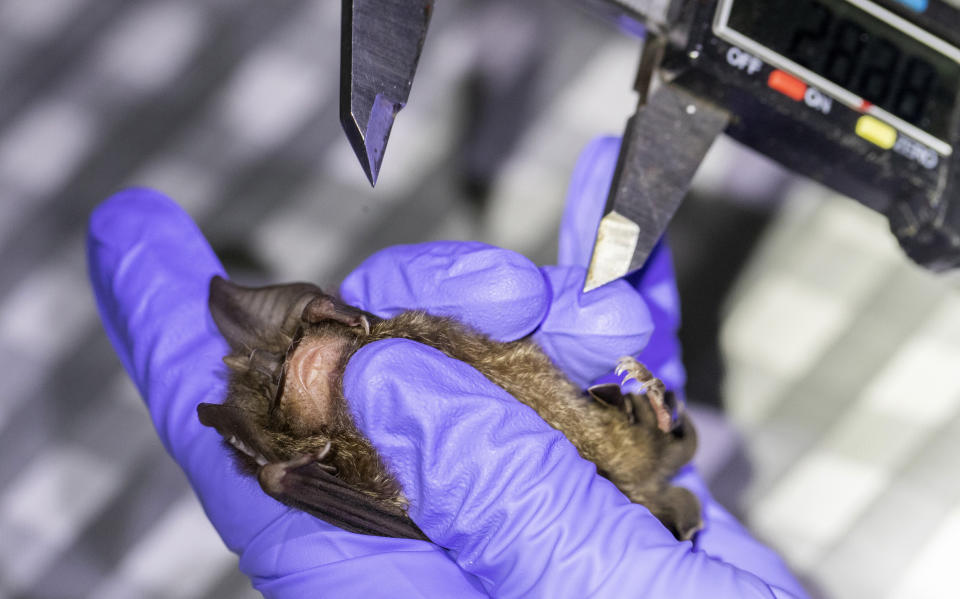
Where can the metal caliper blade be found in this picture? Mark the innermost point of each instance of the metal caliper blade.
(380, 44)
(663, 145)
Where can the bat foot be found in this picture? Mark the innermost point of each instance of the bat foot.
(666, 409)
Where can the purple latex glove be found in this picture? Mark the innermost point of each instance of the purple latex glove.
(516, 505)
(521, 513)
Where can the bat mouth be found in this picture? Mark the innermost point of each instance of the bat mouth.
(266, 328)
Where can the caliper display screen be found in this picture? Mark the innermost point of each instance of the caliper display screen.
(899, 68)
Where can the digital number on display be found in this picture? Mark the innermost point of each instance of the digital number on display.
(891, 64)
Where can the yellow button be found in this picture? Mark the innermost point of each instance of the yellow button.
(876, 131)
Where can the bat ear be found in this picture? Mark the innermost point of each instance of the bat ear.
(610, 395)
(246, 316)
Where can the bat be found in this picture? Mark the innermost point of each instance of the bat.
(287, 422)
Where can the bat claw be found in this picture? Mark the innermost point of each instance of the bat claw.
(261, 461)
(322, 455)
(365, 323)
(323, 452)
(632, 370)
(325, 307)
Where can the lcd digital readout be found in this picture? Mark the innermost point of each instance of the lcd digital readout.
(859, 52)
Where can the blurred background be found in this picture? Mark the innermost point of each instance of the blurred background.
(823, 366)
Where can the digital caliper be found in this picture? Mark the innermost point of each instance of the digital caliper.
(861, 95)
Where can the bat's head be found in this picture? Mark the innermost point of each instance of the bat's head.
(288, 347)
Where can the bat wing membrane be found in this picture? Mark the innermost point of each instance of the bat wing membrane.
(311, 488)
(305, 483)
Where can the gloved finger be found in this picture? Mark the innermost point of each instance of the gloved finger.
(585, 334)
(655, 282)
(627, 324)
(508, 495)
(496, 291)
(150, 267)
(504, 295)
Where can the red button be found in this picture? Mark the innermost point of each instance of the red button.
(787, 85)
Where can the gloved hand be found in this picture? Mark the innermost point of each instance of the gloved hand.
(567, 532)
(520, 513)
